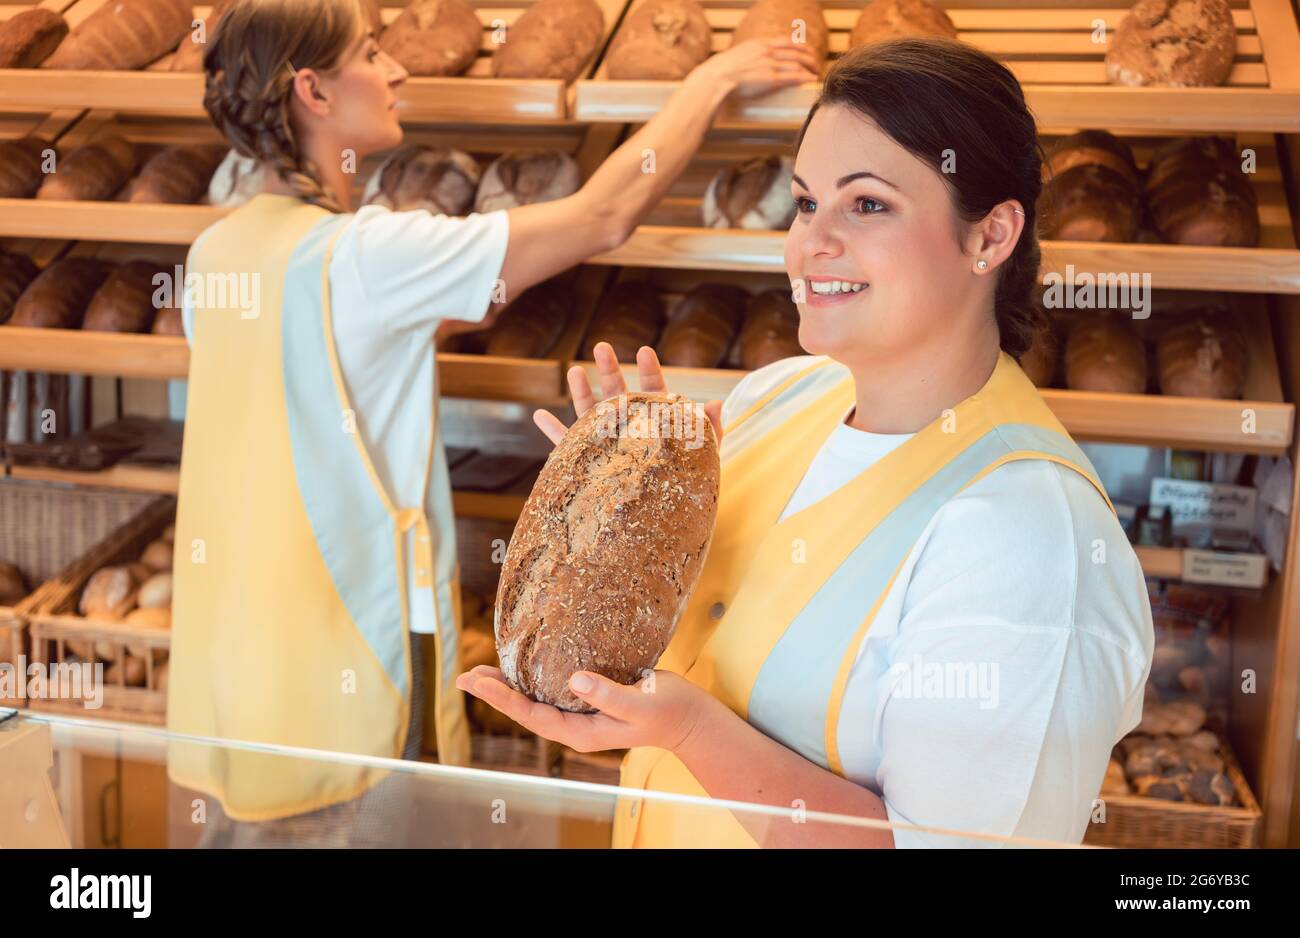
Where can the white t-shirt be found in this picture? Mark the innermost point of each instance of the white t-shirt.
(1027, 576)
(393, 277)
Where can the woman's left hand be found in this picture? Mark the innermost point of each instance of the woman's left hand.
(663, 710)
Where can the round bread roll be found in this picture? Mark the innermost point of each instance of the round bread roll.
(553, 39)
(516, 179)
(13, 585)
(1040, 360)
(1197, 194)
(158, 555)
(1207, 786)
(155, 592)
(661, 40)
(786, 19)
(754, 194)
(434, 37)
(418, 177)
(156, 618)
(1104, 353)
(106, 590)
(1164, 787)
(1177, 43)
(1090, 202)
(1091, 147)
(617, 494)
(897, 19)
(1202, 355)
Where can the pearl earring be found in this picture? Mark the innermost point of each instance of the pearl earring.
(981, 263)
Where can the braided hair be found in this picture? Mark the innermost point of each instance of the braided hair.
(250, 64)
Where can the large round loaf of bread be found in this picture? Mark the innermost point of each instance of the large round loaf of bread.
(608, 547)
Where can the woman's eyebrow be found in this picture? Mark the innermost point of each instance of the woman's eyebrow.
(845, 180)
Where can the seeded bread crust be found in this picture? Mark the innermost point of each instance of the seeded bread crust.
(607, 550)
(1175, 43)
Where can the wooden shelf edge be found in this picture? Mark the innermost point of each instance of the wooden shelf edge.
(72, 351)
(130, 478)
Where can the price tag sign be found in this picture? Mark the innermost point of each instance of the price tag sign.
(1220, 569)
(1201, 505)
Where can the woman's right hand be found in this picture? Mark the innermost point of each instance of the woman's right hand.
(756, 66)
(650, 376)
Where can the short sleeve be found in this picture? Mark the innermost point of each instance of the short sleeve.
(1018, 662)
(416, 268)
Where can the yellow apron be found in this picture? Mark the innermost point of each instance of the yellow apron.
(290, 619)
(754, 633)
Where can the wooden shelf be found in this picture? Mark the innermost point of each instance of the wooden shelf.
(71, 351)
(1052, 49)
(121, 476)
(474, 97)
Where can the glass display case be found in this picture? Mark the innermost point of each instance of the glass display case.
(69, 782)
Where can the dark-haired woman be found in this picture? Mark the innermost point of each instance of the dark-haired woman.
(918, 605)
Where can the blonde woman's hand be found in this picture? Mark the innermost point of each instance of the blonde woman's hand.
(757, 66)
(663, 709)
(650, 376)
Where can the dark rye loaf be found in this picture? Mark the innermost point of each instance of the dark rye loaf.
(608, 547)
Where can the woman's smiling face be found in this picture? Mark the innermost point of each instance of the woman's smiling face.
(874, 216)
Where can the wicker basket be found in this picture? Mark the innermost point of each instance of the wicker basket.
(1135, 821)
(43, 528)
(55, 620)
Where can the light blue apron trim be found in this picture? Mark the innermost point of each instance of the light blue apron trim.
(353, 530)
(791, 696)
(782, 407)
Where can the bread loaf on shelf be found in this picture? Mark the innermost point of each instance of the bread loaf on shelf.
(1040, 360)
(754, 194)
(629, 316)
(125, 302)
(1175, 43)
(21, 165)
(94, 172)
(441, 181)
(16, 274)
(124, 34)
(777, 19)
(770, 331)
(896, 19)
(106, 592)
(28, 38)
(515, 179)
(608, 546)
(178, 175)
(661, 40)
(553, 39)
(1091, 147)
(1104, 353)
(1197, 194)
(702, 326)
(1090, 202)
(169, 321)
(1202, 355)
(434, 37)
(57, 298)
(530, 326)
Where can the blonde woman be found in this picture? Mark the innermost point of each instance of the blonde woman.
(918, 605)
(315, 521)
